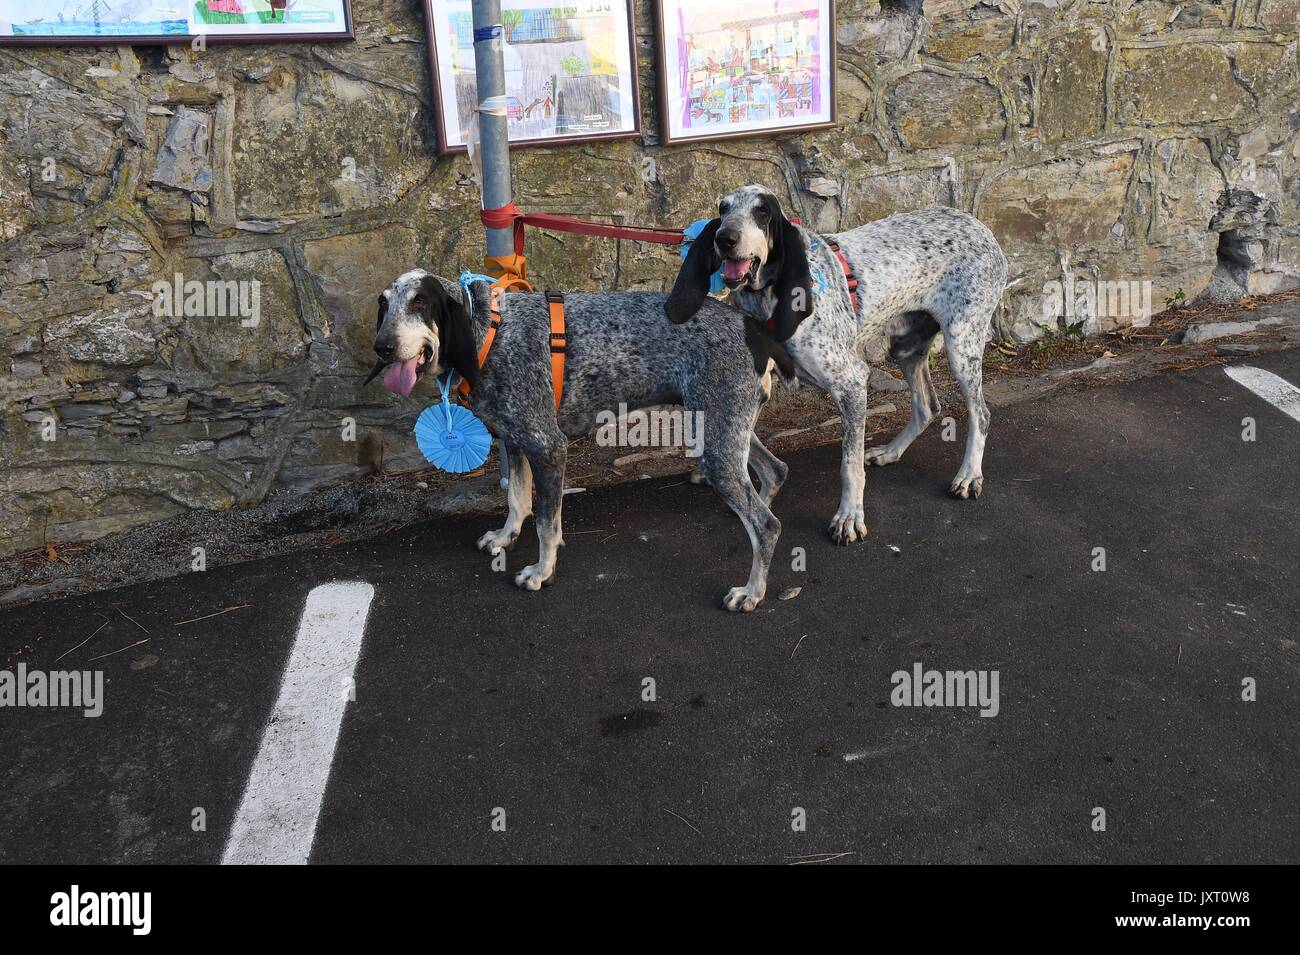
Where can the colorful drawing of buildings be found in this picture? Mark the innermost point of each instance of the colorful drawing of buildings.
(751, 70)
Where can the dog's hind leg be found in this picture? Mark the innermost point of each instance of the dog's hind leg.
(547, 462)
(770, 469)
(930, 390)
(520, 496)
(966, 359)
(909, 344)
(925, 405)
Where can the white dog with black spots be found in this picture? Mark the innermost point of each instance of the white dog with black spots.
(920, 274)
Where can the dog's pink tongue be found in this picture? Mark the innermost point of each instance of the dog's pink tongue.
(731, 269)
(400, 377)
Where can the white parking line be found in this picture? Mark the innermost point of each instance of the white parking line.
(1276, 391)
(276, 821)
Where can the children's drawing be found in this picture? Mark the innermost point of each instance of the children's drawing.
(71, 19)
(754, 66)
(568, 69)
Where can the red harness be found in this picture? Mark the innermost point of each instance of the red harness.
(849, 278)
(848, 274)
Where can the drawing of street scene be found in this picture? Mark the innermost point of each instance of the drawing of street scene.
(168, 17)
(92, 18)
(567, 69)
(211, 16)
(752, 63)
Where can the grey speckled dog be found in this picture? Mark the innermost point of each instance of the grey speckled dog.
(619, 351)
(920, 274)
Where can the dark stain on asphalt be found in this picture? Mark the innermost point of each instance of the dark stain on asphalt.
(697, 702)
(633, 721)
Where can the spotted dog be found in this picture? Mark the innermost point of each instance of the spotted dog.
(619, 351)
(919, 275)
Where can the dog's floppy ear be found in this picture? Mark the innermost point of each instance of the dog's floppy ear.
(695, 277)
(455, 333)
(793, 285)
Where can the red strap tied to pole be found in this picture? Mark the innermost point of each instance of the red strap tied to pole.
(509, 216)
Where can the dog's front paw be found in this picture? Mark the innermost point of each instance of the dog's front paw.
(740, 600)
(847, 528)
(967, 488)
(534, 577)
(494, 542)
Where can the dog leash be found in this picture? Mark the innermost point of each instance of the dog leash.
(494, 320)
(510, 216)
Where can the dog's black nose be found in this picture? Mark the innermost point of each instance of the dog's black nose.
(727, 239)
(385, 350)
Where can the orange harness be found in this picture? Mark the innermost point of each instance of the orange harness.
(555, 302)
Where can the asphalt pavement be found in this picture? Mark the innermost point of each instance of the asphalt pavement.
(487, 724)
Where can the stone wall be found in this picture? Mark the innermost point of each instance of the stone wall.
(1147, 141)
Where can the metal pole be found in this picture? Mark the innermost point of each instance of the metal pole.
(494, 138)
(494, 134)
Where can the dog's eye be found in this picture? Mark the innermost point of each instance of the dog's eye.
(724, 207)
(419, 302)
(761, 215)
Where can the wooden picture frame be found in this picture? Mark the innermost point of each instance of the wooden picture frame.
(783, 83)
(610, 81)
(109, 22)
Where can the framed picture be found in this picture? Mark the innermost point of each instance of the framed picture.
(571, 71)
(730, 68)
(67, 22)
